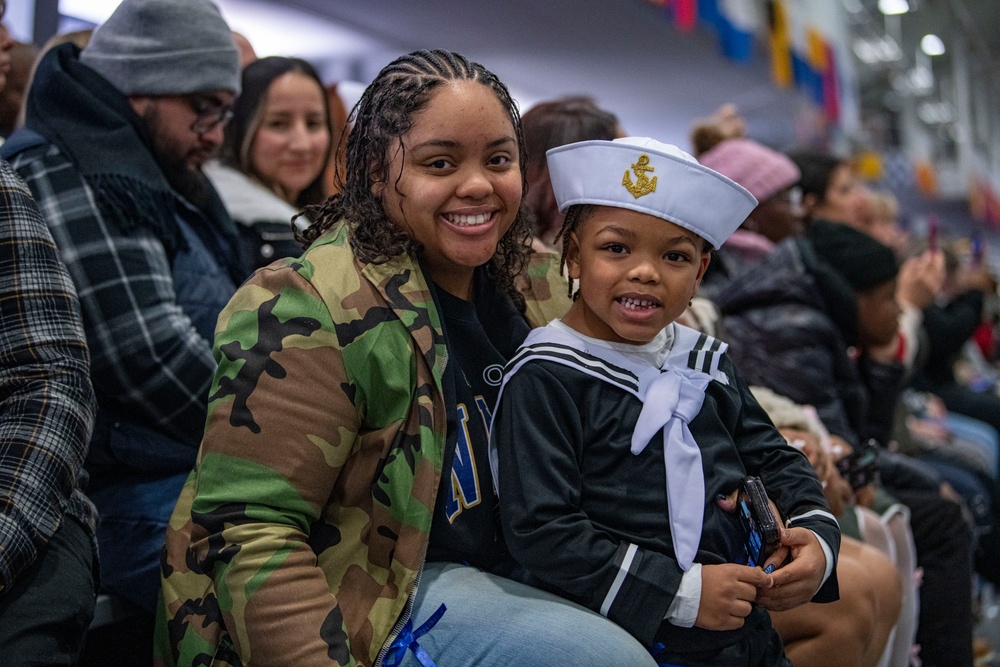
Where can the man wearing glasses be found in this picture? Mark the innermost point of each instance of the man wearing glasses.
(114, 143)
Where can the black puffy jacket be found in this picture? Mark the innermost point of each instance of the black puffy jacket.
(791, 324)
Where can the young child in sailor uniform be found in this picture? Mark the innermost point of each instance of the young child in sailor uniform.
(621, 437)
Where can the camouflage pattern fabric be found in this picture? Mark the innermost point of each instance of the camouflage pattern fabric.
(544, 288)
(299, 536)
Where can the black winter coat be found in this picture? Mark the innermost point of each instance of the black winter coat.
(791, 325)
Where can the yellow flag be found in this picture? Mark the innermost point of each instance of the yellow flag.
(781, 44)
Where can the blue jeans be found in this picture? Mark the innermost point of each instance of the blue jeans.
(493, 621)
(135, 510)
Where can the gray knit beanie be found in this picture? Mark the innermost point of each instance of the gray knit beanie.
(165, 47)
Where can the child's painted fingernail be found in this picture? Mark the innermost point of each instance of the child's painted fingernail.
(769, 569)
(721, 496)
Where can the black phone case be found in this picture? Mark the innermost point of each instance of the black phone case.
(762, 532)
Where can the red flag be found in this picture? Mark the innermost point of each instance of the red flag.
(831, 91)
(686, 14)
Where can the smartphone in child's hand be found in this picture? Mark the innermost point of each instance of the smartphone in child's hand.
(762, 532)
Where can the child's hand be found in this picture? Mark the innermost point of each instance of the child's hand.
(727, 595)
(795, 583)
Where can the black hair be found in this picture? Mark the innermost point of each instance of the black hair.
(382, 116)
(576, 215)
(248, 112)
(817, 172)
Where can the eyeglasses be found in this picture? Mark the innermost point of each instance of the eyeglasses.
(792, 197)
(209, 114)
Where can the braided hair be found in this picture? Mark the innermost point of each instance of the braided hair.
(382, 116)
(575, 216)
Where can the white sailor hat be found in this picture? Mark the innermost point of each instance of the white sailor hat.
(645, 175)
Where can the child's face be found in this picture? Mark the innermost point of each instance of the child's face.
(878, 315)
(637, 273)
(454, 182)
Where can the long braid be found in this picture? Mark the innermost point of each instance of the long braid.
(384, 114)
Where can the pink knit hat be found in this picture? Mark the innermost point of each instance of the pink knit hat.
(756, 167)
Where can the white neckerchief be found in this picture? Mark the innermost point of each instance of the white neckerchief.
(671, 394)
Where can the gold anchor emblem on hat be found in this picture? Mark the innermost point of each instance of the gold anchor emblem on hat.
(643, 184)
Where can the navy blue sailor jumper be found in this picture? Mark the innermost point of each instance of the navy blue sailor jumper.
(589, 518)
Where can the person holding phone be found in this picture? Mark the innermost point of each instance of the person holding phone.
(620, 436)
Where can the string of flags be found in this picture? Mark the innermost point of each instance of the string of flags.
(801, 56)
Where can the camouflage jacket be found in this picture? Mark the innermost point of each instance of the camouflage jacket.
(299, 536)
(544, 288)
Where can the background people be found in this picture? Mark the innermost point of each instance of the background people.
(22, 59)
(547, 125)
(792, 325)
(274, 154)
(48, 550)
(771, 177)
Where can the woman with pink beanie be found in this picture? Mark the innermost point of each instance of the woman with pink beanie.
(770, 177)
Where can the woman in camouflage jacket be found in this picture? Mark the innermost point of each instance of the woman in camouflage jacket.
(302, 534)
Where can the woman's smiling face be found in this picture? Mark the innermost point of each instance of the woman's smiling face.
(454, 181)
(290, 146)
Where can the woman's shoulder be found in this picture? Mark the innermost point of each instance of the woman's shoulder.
(352, 290)
(246, 200)
(326, 272)
(544, 288)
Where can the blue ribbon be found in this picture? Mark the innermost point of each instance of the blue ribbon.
(407, 639)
